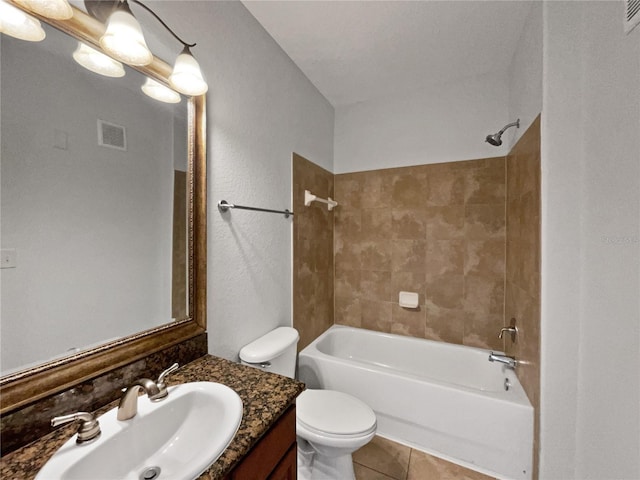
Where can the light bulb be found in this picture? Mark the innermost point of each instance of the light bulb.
(97, 62)
(159, 92)
(56, 9)
(123, 38)
(16, 23)
(186, 76)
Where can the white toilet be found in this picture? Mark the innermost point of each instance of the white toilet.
(330, 425)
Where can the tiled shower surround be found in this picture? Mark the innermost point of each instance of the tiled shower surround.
(522, 297)
(464, 235)
(312, 252)
(438, 230)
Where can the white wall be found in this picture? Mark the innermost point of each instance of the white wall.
(590, 424)
(525, 76)
(261, 108)
(440, 123)
(92, 226)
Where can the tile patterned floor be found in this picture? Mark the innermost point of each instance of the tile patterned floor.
(382, 459)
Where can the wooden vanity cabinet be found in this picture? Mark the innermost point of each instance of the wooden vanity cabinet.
(274, 456)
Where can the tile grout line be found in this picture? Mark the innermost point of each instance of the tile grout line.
(406, 476)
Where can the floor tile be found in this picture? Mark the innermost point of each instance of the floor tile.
(364, 473)
(424, 466)
(385, 456)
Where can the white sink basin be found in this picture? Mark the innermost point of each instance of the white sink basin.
(181, 436)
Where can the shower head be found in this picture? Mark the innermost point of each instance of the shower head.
(496, 138)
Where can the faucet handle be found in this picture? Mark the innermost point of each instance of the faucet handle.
(162, 387)
(164, 374)
(88, 430)
(512, 330)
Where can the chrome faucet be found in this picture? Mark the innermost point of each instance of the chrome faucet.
(509, 362)
(156, 391)
(88, 430)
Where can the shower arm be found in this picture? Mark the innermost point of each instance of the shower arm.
(514, 124)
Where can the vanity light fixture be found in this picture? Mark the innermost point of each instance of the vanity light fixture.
(124, 40)
(186, 76)
(16, 23)
(55, 9)
(159, 92)
(97, 62)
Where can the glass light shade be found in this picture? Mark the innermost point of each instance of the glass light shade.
(159, 92)
(56, 9)
(123, 39)
(15, 23)
(97, 62)
(186, 76)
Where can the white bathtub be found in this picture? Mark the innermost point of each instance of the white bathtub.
(447, 400)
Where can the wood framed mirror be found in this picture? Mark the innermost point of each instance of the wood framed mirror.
(36, 382)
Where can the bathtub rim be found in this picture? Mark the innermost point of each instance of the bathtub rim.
(517, 395)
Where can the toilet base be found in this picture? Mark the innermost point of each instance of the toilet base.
(315, 466)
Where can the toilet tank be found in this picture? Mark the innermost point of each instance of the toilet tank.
(274, 352)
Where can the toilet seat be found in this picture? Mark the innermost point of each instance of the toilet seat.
(334, 414)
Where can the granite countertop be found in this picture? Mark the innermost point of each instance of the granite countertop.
(265, 398)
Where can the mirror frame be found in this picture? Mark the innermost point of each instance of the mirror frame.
(32, 384)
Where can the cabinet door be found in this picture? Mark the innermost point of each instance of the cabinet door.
(287, 469)
(264, 458)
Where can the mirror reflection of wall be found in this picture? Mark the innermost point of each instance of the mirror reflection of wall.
(97, 238)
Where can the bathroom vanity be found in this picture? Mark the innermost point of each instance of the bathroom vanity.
(263, 448)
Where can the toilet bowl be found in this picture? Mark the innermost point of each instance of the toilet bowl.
(330, 425)
(334, 425)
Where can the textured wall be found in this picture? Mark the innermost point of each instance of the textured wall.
(522, 288)
(590, 321)
(438, 230)
(525, 76)
(260, 109)
(440, 123)
(312, 252)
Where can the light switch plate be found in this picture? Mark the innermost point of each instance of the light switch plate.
(8, 258)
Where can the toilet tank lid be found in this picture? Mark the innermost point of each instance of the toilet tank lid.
(270, 345)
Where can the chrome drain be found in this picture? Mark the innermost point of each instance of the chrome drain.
(150, 473)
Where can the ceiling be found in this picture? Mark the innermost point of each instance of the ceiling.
(355, 51)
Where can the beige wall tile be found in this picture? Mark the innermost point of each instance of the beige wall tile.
(444, 324)
(485, 186)
(313, 253)
(445, 291)
(485, 221)
(408, 255)
(444, 257)
(408, 190)
(348, 311)
(445, 222)
(522, 295)
(408, 321)
(485, 258)
(408, 224)
(375, 285)
(376, 315)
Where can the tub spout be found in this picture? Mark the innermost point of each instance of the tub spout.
(509, 362)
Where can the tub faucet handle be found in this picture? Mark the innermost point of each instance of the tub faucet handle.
(512, 330)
